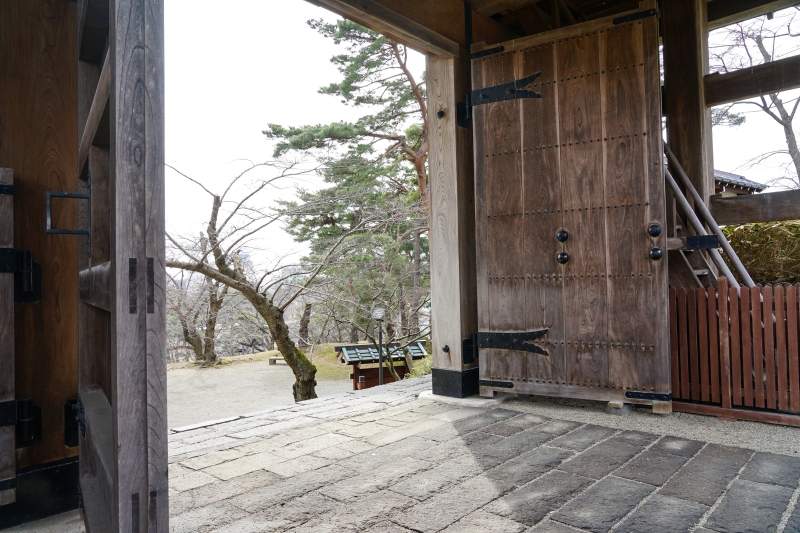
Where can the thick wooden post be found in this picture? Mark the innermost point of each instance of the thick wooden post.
(685, 38)
(452, 229)
(8, 471)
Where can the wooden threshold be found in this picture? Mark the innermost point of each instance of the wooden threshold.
(560, 390)
(738, 414)
(95, 113)
(95, 286)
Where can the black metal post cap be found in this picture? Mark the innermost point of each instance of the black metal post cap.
(446, 349)
(654, 230)
(562, 258)
(656, 254)
(562, 235)
(440, 113)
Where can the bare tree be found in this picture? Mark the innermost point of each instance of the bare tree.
(755, 42)
(198, 311)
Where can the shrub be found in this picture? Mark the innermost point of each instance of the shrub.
(769, 251)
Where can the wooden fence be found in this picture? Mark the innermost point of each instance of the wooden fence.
(735, 352)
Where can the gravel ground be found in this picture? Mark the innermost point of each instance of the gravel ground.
(201, 394)
(750, 435)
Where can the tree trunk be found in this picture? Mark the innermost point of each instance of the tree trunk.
(304, 321)
(353, 334)
(415, 294)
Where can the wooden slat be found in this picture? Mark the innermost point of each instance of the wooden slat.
(770, 376)
(100, 169)
(694, 357)
(747, 208)
(781, 361)
(746, 347)
(793, 346)
(758, 345)
(7, 459)
(95, 113)
(738, 414)
(683, 325)
(768, 78)
(713, 344)
(96, 511)
(725, 12)
(674, 343)
(726, 394)
(736, 346)
(156, 499)
(702, 330)
(95, 286)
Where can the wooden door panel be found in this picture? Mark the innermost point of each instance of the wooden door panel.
(588, 167)
(8, 470)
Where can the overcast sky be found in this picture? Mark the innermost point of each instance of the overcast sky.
(233, 68)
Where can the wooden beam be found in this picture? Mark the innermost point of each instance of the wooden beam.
(685, 36)
(772, 77)
(95, 286)
(441, 23)
(92, 30)
(766, 207)
(492, 7)
(95, 113)
(725, 12)
(381, 19)
(452, 218)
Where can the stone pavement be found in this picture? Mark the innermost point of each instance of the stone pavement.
(381, 460)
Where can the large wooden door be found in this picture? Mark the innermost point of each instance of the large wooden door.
(122, 315)
(567, 188)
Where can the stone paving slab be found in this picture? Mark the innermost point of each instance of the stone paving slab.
(382, 460)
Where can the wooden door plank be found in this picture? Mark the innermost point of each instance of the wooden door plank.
(724, 343)
(713, 343)
(747, 347)
(683, 331)
(758, 345)
(702, 341)
(793, 346)
(770, 376)
(736, 346)
(585, 286)
(674, 343)
(544, 301)
(156, 500)
(781, 360)
(7, 460)
(504, 194)
(694, 357)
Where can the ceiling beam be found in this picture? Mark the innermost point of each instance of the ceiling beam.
(773, 77)
(490, 7)
(724, 12)
(748, 208)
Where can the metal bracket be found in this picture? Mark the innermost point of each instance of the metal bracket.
(488, 52)
(71, 425)
(7, 189)
(27, 274)
(636, 16)
(80, 415)
(521, 342)
(29, 423)
(497, 93)
(75, 196)
(702, 242)
(8, 413)
(635, 395)
(497, 384)
(8, 484)
(469, 350)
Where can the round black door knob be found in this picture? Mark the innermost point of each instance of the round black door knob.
(656, 254)
(446, 349)
(562, 258)
(562, 235)
(654, 230)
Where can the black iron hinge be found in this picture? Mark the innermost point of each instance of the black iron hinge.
(661, 397)
(80, 415)
(7, 189)
(498, 93)
(521, 342)
(636, 16)
(27, 274)
(49, 195)
(29, 423)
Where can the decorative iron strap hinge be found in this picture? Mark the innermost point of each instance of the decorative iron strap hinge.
(661, 397)
(498, 93)
(27, 274)
(635, 16)
(7, 189)
(520, 342)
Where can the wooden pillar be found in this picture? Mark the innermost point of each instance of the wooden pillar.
(8, 470)
(452, 228)
(685, 36)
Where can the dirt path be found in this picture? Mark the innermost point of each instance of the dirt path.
(200, 394)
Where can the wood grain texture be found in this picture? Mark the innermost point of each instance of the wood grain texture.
(726, 392)
(38, 125)
(773, 77)
(685, 38)
(793, 345)
(95, 286)
(770, 375)
(713, 344)
(7, 460)
(737, 414)
(736, 351)
(452, 237)
(765, 207)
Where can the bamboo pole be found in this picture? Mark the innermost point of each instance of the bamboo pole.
(698, 227)
(709, 219)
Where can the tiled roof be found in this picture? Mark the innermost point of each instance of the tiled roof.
(352, 354)
(735, 179)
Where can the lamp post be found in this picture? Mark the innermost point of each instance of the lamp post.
(378, 314)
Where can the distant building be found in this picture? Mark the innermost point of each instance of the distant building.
(728, 184)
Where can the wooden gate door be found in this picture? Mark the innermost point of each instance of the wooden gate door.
(122, 315)
(570, 206)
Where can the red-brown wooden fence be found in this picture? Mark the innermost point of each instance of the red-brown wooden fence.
(736, 352)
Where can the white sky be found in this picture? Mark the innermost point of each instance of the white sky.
(233, 68)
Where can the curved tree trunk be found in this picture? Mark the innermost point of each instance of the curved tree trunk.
(304, 322)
